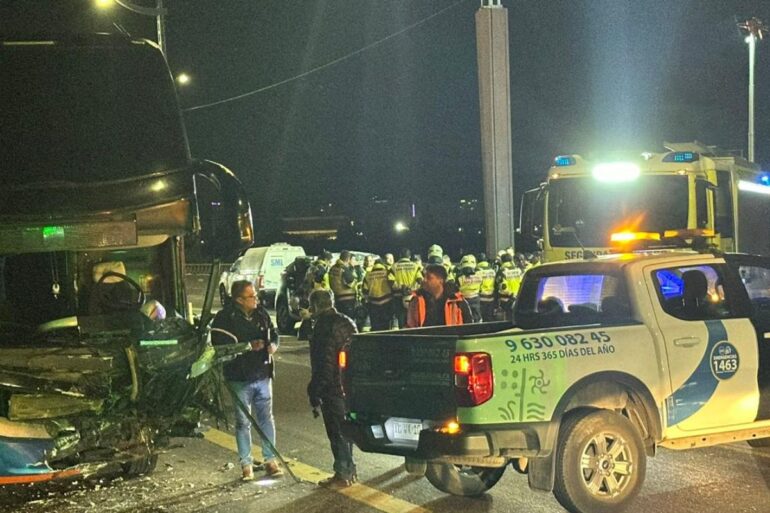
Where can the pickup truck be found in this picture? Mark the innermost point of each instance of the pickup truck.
(607, 360)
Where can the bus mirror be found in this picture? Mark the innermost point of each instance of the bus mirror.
(224, 225)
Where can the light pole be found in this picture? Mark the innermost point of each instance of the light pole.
(755, 29)
(158, 11)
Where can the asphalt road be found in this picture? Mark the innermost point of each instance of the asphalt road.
(202, 475)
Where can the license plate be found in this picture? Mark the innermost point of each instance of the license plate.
(406, 430)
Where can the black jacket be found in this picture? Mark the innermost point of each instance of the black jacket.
(231, 324)
(332, 331)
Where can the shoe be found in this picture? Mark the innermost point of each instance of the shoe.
(272, 469)
(335, 482)
(248, 473)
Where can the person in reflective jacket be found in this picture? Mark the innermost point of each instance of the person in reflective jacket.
(434, 305)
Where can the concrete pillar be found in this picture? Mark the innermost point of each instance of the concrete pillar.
(495, 102)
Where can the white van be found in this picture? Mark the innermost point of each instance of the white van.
(262, 266)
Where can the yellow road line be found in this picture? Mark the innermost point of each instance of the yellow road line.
(358, 492)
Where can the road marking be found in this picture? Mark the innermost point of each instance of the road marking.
(358, 492)
(289, 361)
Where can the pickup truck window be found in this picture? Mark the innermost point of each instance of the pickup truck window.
(756, 279)
(573, 299)
(693, 293)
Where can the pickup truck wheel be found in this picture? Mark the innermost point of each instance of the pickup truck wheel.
(759, 443)
(600, 462)
(461, 479)
(415, 467)
(282, 317)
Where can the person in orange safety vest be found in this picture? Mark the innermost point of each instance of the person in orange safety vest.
(434, 305)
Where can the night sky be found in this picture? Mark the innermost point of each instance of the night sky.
(397, 117)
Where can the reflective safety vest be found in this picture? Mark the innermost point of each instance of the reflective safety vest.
(469, 285)
(406, 277)
(487, 290)
(342, 282)
(508, 282)
(377, 285)
(453, 314)
(318, 275)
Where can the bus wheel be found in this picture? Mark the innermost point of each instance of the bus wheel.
(759, 443)
(600, 462)
(461, 479)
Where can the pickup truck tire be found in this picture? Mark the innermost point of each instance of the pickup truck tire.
(600, 462)
(759, 443)
(461, 479)
(282, 317)
(415, 467)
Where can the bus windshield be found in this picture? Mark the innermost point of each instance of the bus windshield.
(86, 113)
(583, 211)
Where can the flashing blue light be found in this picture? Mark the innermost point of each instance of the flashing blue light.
(564, 160)
(764, 179)
(682, 156)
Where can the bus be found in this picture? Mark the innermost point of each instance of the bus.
(689, 189)
(98, 348)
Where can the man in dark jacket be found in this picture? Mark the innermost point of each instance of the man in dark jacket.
(331, 332)
(251, 373)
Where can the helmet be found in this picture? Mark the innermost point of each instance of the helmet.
(435, 250)
(468, 261)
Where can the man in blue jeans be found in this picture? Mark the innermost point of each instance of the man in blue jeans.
(250, 374)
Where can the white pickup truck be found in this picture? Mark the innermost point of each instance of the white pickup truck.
(607, 360)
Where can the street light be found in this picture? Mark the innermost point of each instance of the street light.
(755, 29)
(158, 11)
(183, 79)
(400, 226)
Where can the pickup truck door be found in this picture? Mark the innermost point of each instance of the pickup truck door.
(754, 273)
(710, 343)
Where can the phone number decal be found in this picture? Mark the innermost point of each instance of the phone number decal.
(548, 347)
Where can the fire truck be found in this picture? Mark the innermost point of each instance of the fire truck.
(689, 187)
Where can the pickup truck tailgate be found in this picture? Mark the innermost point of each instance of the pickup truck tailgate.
(401, 376)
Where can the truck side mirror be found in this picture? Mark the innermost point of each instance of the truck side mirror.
(223, 220)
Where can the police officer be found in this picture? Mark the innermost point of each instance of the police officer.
(406, 276)
(487, 290)
(342, 281)
(508, 283)
(378, 291)
(318, 273)
(435, 254)
(469, 284)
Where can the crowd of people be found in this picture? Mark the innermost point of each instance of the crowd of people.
(383, 291)
(343, 296)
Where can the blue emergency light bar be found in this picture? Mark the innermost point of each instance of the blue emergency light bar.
(682, 156)
(564, 160)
